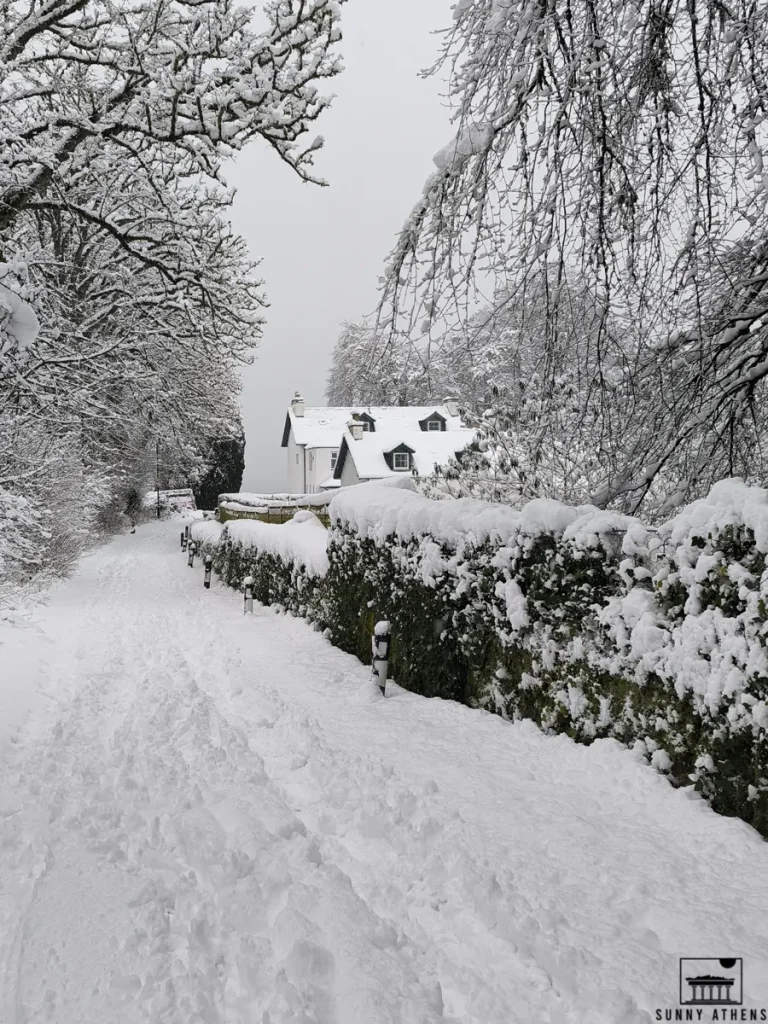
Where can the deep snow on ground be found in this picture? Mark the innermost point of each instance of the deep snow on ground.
(207, 817)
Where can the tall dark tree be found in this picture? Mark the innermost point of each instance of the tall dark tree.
(226, 464)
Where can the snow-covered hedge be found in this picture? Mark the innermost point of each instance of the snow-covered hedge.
(207, 534)
(586, 621)
(286, 562)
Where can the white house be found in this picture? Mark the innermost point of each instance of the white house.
(312, 437)
(334, 447)
(410, 440)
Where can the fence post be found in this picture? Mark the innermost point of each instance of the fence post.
(380, 641)
(183, 541)
(247, 594)
(208, 562)
(191, 560)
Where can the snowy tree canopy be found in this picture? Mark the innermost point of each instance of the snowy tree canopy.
(155, 96)
(127, 302)
(620, 146)
(366, 372)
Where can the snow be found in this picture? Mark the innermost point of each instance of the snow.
(207, 532)
(468, 142)
(247, 501)
(705, 654)
(323, 427)
(205, 820)
(303, 540)
(378, 513)
(729, 503)
(430, 449)
(181, 500)
(18, 319)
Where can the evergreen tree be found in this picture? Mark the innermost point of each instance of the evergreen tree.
(224, 475)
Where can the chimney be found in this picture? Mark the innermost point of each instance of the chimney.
(452, 405)
(297, 404)
(356, 430)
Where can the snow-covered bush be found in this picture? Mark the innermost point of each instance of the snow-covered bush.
(286, 562)
(585, 621)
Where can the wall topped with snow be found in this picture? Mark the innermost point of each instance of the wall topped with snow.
(249, 501)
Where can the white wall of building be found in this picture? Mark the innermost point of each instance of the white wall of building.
(349, 473)
(319, 468)
(295, 467)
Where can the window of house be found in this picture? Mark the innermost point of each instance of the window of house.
(433, 425)
(334, 459)
(401, 460)
(366, 425)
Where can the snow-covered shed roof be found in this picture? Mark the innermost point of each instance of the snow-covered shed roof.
(429, 448)
(323, 427)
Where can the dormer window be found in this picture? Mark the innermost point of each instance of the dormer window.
(433, 422)
(368, 422)
(399, 458)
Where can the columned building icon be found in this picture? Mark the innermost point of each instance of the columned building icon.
(709, 988)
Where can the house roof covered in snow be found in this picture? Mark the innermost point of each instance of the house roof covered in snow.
(323, 427)
(429, 449)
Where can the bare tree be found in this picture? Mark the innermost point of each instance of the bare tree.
(126, 301)
(620, 144)
(162, 90)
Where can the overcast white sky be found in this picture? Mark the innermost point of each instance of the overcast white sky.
(323, 249)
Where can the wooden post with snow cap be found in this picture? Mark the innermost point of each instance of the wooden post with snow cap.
(183, 541)
(247, 594)
(208, 563)
(380, 641)
(186, 531)
(191, 559)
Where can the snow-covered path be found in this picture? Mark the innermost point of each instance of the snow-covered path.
(204, 819)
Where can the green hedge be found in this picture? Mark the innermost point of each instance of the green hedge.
(567, 657)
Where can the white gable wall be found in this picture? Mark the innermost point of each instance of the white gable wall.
(319, 467)
(295, 466)
(349, 473)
